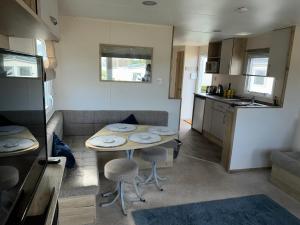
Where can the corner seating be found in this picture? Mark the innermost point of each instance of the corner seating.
(80, 185)
(286, 172)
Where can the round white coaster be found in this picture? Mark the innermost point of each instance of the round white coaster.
(121, 127)
(144, 138)
(160, 130)
(107, 141)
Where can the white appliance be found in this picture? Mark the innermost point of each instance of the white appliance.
(198, 113)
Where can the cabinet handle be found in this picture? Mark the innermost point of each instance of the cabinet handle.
(53, 20)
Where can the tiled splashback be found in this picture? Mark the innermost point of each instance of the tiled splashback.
(237, 84)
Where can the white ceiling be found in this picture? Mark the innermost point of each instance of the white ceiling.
(194, 20)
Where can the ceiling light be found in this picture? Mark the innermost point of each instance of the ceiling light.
(242, 9)
(243, 34)
(149, 3)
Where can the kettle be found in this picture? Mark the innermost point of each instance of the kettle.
(220, 90)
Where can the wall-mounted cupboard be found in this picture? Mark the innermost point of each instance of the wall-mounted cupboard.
(232, 56)
(30, 19)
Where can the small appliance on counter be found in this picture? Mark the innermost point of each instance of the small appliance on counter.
(211, 90)
(220, 90)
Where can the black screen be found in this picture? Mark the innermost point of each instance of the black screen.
(23, 153)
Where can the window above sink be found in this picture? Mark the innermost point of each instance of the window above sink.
(257, 82)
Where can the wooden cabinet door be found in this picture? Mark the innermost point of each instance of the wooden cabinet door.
(218, 124)
(226, 55)
(238, 56)
(48, 11)
(207, 115)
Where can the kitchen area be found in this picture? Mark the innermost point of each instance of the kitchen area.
(240, 111)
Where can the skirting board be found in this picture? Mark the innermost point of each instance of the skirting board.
(286, 181)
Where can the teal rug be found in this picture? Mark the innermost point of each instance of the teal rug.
(249, 210)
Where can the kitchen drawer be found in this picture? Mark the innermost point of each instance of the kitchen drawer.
(220, 106)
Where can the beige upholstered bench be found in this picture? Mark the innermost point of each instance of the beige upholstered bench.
(286, 172)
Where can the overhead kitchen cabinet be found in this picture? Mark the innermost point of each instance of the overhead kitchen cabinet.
(30, 19)
(232, 56)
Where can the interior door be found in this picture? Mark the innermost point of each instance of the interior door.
(179, 74)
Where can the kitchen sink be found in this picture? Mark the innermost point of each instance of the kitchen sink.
(245, 103)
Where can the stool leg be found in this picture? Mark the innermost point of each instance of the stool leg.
(115, 198)
(161, 178)
(122, 198)
(107, 194)
(137, 191)
(156, 176)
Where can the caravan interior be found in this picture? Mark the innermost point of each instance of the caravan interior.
(161, 112)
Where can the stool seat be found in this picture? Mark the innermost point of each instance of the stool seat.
(121, 170)
(154, 154)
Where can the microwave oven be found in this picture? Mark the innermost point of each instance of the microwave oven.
(212, 67)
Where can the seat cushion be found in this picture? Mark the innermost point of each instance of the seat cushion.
(289, 160)
(121, 170)
(154, 154)
(84, 178)
(130, 120)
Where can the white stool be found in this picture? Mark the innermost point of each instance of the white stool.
(154, 155)
(121, 171)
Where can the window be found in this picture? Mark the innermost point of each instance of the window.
(124, 63)
(257, 82)
(48, 92)
(48, 85)
(204, 79)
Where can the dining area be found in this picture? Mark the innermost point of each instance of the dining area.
(150, 141)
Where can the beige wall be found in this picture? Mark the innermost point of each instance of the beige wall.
(191, 58)
(77, 84)
(4, 43)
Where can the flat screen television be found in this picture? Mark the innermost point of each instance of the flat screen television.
(23, 153)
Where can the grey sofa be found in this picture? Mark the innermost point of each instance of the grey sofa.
(286, 171)
(75, 127)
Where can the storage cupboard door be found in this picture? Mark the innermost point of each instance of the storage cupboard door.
(207, 115)
(218, 124)
(198, 114)
(48, 11)
(226, 55)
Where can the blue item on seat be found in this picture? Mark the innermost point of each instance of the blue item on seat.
(61, 149)
(130, 120)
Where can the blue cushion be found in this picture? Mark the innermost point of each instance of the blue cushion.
(61, 149)
(130, 120)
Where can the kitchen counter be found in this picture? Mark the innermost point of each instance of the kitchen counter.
(234, 101)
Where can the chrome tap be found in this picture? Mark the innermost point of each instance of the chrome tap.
(252, 100)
